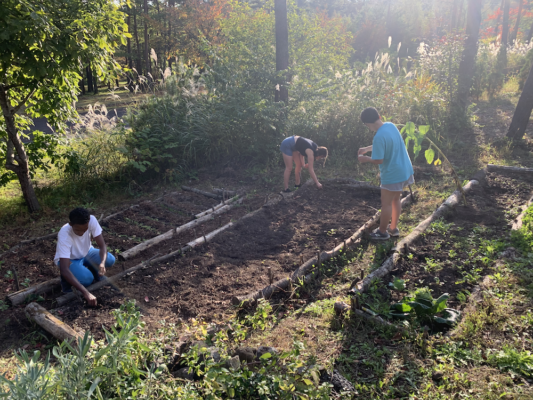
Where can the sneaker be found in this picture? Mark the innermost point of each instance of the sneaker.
(65, 286)
(298, 186)
(377, 235)
(393, 232)
(286, 190)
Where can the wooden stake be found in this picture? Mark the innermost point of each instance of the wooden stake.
(16, 278)
(270, 276)
(301, 259)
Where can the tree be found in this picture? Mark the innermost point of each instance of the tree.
(42, 47)
(523, 110)
(468, 61)
(505, 24)
(517, 24)
(282, 47)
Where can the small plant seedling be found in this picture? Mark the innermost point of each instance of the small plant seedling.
(26, 282)
(3, 305)
(9, 275)
(398, 284)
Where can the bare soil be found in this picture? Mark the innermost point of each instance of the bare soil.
(200, 283)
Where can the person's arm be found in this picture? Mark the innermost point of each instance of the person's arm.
(311, 161)
(364, 150)
(103, 253)
(364, 159)
(303, 161)
(64, 267)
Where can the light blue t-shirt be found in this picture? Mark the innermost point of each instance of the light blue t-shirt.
(388, 146)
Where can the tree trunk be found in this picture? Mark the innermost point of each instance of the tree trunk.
(128, 44)
(95, 83)
(468, 60)
(523, 110)
(282, 47)
(89, 74)
(136, 35)
(146, 44)
(517, 25)
(505, 23)
(530, 34)
(16, 158)
(453, 23)
(19, 297)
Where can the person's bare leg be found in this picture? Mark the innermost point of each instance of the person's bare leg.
(396, 210)
(288, 169)
(298, 166)
(386, 209)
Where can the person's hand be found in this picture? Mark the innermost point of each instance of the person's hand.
(362, 159)
(91, 300)
(362, 151)
(101, 269)
(319, 185)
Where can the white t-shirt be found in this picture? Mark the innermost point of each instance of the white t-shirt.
(72, 246)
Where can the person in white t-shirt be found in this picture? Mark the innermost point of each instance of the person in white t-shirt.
(79, 263)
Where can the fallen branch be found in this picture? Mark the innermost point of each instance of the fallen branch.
(19, 297)
(198, 191)
(504, 169)
(391, 262)
(50, 323)
(229, 201)
(171, 233)
(303, 272)
(62, 300)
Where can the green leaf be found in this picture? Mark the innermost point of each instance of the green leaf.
(401, 307)
(93, 387)
(308, 382)
(440, 303)
(410, 128)
(430, 155)
(266, 356)
(423, 129)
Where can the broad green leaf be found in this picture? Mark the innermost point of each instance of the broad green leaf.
(266, 356)
(423, 129)
(430, 155)
(440, 303)
(400, 307)
(410, 128)
(308, 382)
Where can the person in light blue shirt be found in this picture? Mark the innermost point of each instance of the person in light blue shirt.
(389, 152)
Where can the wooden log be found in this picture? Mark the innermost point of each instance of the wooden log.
(50, 323)
(391, 262)
(502, 169)
(229, 201)
(171, 233)
(303, 271)
(19, 297)
(62, 300)
(198, 191)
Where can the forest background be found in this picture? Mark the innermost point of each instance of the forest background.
(199, 80)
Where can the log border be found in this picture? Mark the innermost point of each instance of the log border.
(304, 272)
(449, 204)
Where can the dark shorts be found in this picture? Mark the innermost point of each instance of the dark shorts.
(287, 146)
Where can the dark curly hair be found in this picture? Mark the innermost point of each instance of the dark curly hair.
(79, 216)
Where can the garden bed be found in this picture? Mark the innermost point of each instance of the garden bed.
(202, 282)
(453, 254)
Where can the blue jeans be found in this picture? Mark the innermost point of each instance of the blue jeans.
(79, 267)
